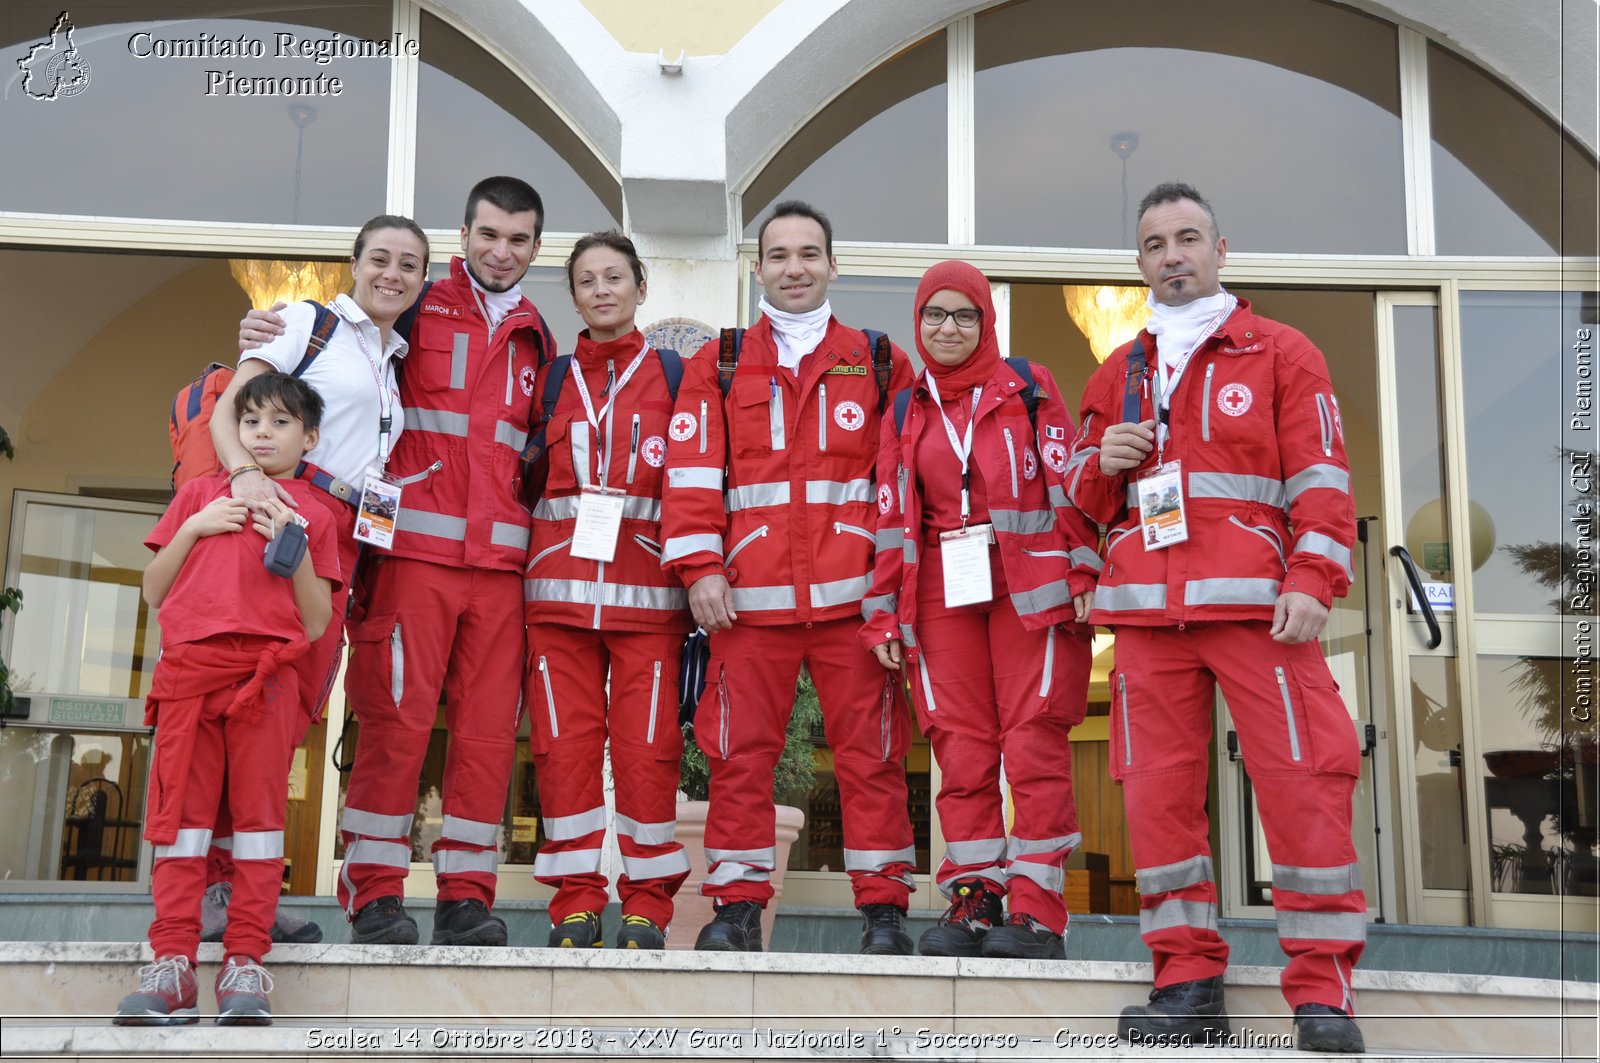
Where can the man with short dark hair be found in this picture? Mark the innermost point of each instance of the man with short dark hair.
(1215, 435)
(777, 560)
(444, 606)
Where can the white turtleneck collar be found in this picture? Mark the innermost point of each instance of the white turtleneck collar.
(496, 304)
(796, 335)
(1180, 330)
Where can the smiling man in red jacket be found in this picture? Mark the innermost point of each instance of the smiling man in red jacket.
(777, 560)
(1211, 446)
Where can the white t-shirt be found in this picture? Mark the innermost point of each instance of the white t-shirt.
(346, 374)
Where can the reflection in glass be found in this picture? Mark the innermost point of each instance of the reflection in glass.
(1301, 150)
(874, 160)
(75, 804)
(470, 106)
(1436, 734)
(144, 139)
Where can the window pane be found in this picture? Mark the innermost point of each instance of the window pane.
(1506, 180)
(158, 136)
(475, 119)
(1518, 369)
(1297, 147)
(874, 160)
(75, 804)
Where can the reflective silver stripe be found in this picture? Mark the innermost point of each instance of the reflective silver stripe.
(976, 851)
(443, 422)
(840, 591)
(1011, 459)
(908, 554)
(646, 833)
(1131, 596)
(1040, 599)
(837, 492)
(907, 636)
(1058, 495)
(1205, 405)
(1133, 495)
(1323, 546)
(667, 865)
(890, 539)
(927, 682)
(471, 831)
(458, 362)
(549, 691)
(881, 603)
(1288, 714)
(462, 861)
(546, 552)
(1329, 476)
(1087, 557)
(578, 443)
(704, 479)
(684, 545)
(510, 435)
(1324, 423)
(571, 862)
(877, 859)
(438, 525)
(841, 528)
(223, 843)
(377, 854)
(655, 703)
(190, 842)
(1169, 877)
(740, 865)
(754, 496)
(1322, 926)
(618, 595)
(512, 535)
(1265, 533)
(1047, 673)
(1048, 876)
(1175, 911)
(1016, 847)
(258, 845)
(1231, 590)
(1317, 881)
(1240, 487)
(634, 507)
(1127, 729)
(759, 598)
(1021, 522)
(374, 825)
(759, 533)
(1075, 465)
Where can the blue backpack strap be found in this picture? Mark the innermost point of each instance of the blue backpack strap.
(672, 369)
(552, 394)
(728, 356)
(902, 402)
(1031, 393)
(403, 323)
(882, 363)
(322, 326)
(1134, 390)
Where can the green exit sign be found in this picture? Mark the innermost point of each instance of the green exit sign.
(88, 711)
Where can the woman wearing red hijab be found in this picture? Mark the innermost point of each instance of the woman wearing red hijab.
(985, 576)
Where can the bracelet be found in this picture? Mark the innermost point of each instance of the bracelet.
(241, 470)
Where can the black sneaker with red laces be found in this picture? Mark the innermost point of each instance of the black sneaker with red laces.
(974, 910)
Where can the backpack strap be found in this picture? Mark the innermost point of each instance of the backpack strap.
(1031, 392)
(728, 357)
(403, 323)
(552, 394)
(322, 327)
(882, 363)
(1134, 389)
(672, 369)
(902, 402)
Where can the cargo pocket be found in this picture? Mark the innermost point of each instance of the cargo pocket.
(1326, 732)
(1122, 763)
(376, 678)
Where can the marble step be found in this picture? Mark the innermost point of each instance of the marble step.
(331, 1001)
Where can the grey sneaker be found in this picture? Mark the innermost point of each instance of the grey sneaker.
(214, 910)
(167, 996)
(242, 988)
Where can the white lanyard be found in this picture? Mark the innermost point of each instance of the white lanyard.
(962, 447)
(605, 411)
(380, 371)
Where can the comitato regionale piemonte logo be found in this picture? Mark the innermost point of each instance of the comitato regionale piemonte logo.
(54, 68)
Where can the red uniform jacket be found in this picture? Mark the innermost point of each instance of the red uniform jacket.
(793, 532)
(630, 593)
(1047, 547)
(469, 403)
(1266, 483)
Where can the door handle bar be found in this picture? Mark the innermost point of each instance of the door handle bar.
(1435, 636)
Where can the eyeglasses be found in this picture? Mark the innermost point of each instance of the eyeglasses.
(933, 316)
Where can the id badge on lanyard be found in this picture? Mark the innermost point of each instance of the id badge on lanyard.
(1161, 507)
(964, 553)
(594, 536)
(380, 508)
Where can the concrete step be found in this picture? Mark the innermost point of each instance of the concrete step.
(338, 1001)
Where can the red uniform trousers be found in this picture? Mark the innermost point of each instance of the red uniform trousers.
(986, 690)
(571, 724)
(232, 759)
(315, 671)
(1300, 750)
(430, 626)
(740, 724)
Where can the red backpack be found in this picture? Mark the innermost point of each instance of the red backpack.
(189, 426)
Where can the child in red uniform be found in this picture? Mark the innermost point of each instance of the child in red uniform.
(225, 702)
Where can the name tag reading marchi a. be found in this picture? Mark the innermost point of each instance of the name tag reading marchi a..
(965, 557)
(599, 523)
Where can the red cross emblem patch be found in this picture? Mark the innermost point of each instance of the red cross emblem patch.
(1030, 465)
(1234, 399)
(885, 498)
(1055, 455)
(654, 450)
(849, 416)
(682, 426)
(525, 378)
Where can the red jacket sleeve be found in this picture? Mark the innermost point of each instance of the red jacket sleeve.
(1083, 536)
(1100, 497)
(1316, 474)
(881, 607)
(693, 512)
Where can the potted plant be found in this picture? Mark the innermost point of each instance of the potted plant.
(793, 776)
